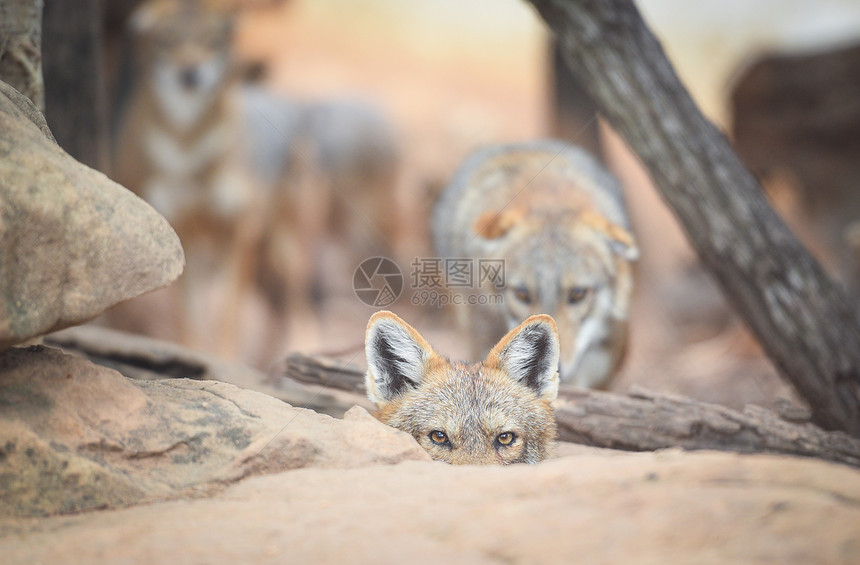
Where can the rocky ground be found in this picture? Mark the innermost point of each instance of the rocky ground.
(99, 468)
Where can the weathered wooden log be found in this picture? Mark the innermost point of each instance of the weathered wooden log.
(319, 370)
(645, 421)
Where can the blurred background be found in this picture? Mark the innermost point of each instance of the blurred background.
(334, 95)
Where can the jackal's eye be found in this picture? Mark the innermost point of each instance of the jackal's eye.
(523, 295)
(506, 438)
(438, 437)
(577, 294)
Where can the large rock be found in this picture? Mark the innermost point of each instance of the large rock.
(670, 507)
(76, 436)
(72, 242)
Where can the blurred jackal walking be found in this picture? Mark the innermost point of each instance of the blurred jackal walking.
(252, 181)
(333, 169)
(558, 220)
(177, 148)
(497, 411)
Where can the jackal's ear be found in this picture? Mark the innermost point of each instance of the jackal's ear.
(622, 243)
(529, 354)
(620, 240)
(146, 16)
(397, 357)
(494, 224)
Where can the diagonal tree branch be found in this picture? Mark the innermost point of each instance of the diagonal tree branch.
(808, 326)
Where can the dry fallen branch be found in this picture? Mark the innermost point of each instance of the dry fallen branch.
(318, 370)
(645, 421)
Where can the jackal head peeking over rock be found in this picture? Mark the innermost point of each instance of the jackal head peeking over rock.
(497, 411)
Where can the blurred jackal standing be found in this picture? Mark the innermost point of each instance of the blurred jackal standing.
(558, 220)
(333, 167)
(177, 149)
(253, 182)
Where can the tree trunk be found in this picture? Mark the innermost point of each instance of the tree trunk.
(799, 113)
(572, 109)
(806, 323)
(21, 48)
(75, 101)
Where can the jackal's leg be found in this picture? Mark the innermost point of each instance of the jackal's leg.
(367, 214)
(240, 268)
(190, 296)
(290, 268)
(294, 234)
(314, 200)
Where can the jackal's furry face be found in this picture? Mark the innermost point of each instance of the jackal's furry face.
(574, 273)
(557, 219)
(187, 49)
(498, 411)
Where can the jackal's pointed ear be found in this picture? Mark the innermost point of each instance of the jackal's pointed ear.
(529, 354)
(621, 241)
(397, 357)
(146, 16)
(494, 224)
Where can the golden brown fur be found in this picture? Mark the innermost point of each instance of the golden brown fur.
(473, 404)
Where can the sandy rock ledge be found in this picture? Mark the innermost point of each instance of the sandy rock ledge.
(234, 476)
(670, 507)
(75, 436)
